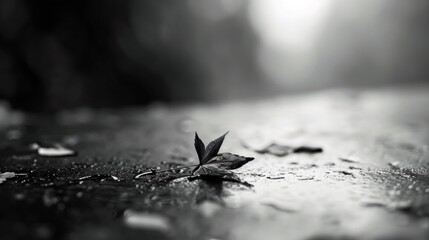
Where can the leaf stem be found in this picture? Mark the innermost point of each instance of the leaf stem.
(153, 171)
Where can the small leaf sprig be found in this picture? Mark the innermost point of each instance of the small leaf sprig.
(212, 165)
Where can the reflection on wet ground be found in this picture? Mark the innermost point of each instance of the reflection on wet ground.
(368, 178)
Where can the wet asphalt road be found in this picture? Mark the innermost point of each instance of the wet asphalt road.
(370, 182)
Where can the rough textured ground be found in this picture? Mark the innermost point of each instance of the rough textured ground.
(370, 182)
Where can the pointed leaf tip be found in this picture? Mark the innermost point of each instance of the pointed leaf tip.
(213, 148)
(200, 147)
(228, 161)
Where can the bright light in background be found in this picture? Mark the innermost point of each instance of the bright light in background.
(288, 30)
(288, 23)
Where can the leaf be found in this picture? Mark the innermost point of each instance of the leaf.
(228, 161)
(277, 150)
(212, 170)
(282, 150)
(55, 151)
(212, 165)
(6, 175)
(307, 149)
(220, 165)
(200, 147)
(213, 148)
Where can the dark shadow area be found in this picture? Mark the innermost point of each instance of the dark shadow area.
(67, 54)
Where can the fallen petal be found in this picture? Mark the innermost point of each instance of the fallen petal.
(306, 149)
(55, 152)
(4, 176)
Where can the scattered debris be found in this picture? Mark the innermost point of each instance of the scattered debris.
(394, 164)
(99, 177)
(348, 160)
(307, 149)
(55, 151)
(275, 178)
(6, 175)
(306, 179)
(257, 174)
(281, 150)
(166, 175)
(354, 168)
(277, 150)
(346, 173)
(374, 204)
(148, 221)
(150, 172)
(308, 166)
(277, 207)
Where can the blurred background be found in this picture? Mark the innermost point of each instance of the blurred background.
(64, 54)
